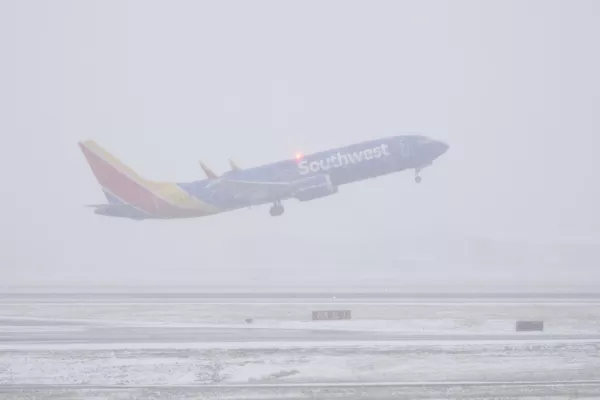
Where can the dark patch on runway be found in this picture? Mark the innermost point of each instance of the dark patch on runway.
(15, 321)
(349, 391)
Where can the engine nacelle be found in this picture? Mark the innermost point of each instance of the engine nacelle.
(315, 187)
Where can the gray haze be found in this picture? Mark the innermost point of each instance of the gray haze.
(512, 86)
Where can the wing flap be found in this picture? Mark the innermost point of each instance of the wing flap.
(254, 190)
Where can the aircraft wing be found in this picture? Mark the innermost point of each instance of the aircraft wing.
(256, 190)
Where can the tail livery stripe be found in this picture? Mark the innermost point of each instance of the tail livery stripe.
(111, 198)
(127, 189)
(93, 147)
(125, 185)
(114, 181)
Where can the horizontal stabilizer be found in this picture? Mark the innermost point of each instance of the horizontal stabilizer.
(209, 172)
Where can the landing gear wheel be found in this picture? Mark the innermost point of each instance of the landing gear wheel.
(276, 210)
(417, 177)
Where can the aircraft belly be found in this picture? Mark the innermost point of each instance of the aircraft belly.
(347, 175)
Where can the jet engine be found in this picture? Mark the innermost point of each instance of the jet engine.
(315, 187)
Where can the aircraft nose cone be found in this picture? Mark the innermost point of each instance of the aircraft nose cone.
(443, 147)
(437, 148)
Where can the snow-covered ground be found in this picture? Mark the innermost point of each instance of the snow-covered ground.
(388, 363)
(104, 343)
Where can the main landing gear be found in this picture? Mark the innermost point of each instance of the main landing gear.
(418, 170)
(277, 209)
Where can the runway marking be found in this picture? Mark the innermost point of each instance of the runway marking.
(310, 385)
(273, 343)
(292, 303)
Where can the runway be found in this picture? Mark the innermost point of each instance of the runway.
(17, 332)
(322, 385)
(294, 296)
(110, 346)
(379, 391)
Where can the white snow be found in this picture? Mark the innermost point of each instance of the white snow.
(332, 363)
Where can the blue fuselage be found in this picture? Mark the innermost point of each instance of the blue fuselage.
(343, 165)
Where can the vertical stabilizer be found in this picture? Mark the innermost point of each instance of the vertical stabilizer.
(120, 184)
(96, 156)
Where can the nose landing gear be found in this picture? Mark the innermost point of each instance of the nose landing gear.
(277, 209)
(417, 177)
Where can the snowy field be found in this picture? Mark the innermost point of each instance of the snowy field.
(402, 362)
(208, 342)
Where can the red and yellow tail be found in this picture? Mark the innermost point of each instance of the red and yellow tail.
(118, 181)
(122, 184)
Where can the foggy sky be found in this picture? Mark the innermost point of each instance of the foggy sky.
(512, 86)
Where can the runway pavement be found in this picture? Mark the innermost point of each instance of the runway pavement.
(377, 390)
(37, 332)
(300, 296)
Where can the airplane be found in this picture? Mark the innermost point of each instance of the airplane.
(303, 177)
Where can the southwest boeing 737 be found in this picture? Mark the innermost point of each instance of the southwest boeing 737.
(305, 178)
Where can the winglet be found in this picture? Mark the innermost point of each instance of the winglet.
(234, 166)
(209, 172)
